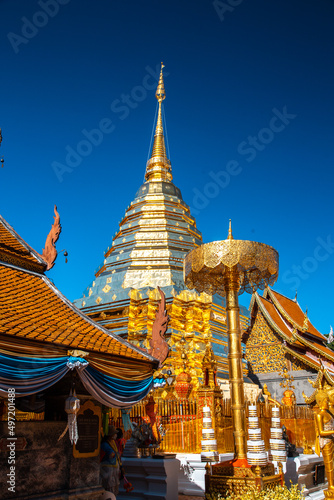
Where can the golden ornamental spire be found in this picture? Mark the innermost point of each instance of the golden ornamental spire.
(230, 235)
(305, 324)
(160, 92)
(158, 166)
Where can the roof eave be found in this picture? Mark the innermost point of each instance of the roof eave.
(29, 249)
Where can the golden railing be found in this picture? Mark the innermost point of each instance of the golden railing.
(179, 419)
(298, 420)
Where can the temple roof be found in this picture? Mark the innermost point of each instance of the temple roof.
(14, 250)
(291, 310)
(299, 337)
(154, 236)
(32, 308)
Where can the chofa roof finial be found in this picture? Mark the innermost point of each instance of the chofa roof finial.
(49, 254)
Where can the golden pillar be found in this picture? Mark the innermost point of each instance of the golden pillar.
(229, 268)
(235, 363)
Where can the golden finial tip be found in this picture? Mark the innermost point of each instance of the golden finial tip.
(160, 93)
(230, 235)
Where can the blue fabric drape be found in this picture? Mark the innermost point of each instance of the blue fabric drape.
(114, 392)
(31, 375)
(121, 388)
(19, 368)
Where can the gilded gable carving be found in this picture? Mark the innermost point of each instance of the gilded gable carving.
(264, 351)
(261, 333)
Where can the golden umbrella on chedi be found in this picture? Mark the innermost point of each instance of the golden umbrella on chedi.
(229, 268)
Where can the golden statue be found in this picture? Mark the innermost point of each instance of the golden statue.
(265, 391)
(324, 420)
(289, 398)
(267, 396)
(307, 449)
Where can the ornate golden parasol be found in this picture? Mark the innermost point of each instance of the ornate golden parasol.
(229, 268)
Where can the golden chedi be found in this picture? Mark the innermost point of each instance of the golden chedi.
(147, 251)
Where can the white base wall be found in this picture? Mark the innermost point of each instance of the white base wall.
(192, 472)
(152, 479)
(301, 470)
(297, 469)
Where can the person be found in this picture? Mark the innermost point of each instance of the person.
(110, 462)
(120, 441)
(290, 448)
(324, 420)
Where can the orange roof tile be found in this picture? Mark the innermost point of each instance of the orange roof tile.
(294, 312)
(14, 250)
(31, 307)
(328, 352)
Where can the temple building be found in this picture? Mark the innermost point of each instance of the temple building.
(147, 252)
(54, 362)
(281, 343)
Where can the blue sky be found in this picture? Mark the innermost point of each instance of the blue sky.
(249, 111)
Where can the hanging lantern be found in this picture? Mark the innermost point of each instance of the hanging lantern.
(183, 385)
(72, 406)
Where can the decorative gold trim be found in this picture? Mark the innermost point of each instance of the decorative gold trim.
(313, 346)
(301, 358)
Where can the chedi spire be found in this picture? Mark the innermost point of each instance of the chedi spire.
(158, 167)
